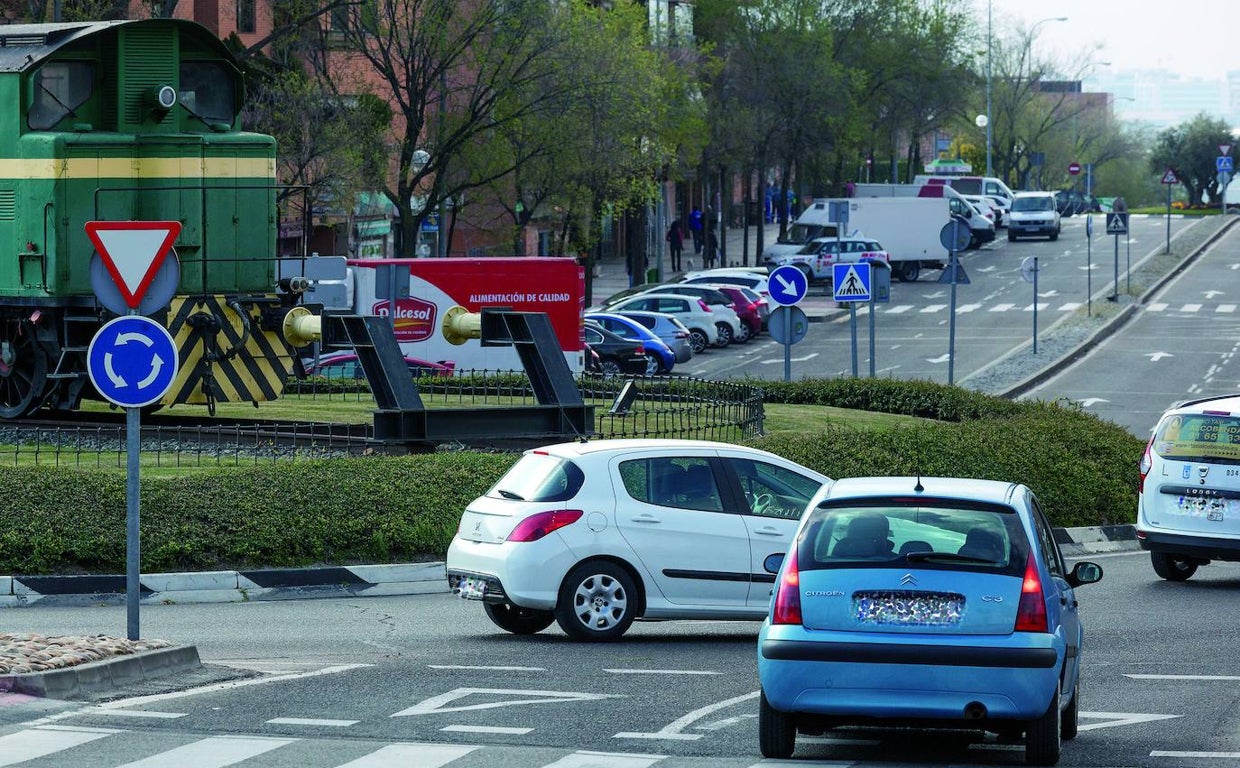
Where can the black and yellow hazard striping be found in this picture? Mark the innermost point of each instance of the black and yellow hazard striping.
(220, 362)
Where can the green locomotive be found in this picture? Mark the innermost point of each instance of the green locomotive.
(134, 121)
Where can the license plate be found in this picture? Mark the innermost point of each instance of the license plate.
(907, 609)
(471, 589)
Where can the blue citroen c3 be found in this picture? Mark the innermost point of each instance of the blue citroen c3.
(924, 603)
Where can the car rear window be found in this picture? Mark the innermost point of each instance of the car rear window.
(946, 534)
(539, 477)
(1199, 437)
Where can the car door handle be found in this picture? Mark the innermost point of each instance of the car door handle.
(646, 519)
(768, 531)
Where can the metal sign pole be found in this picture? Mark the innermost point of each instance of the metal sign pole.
(133, 560)
(788, 359)
(1128, 264)
(1115, 289)
(1035, 305)
(871, 309)
(951, 332)
(1089, 269)
(1168, 250)
(852, 327)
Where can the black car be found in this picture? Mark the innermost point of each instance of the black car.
(618, 355)
(1070, 202)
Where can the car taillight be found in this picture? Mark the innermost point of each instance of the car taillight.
(537, 526)
(1031, 613)
(705, 307)
(788, 594)
(641, 349)
(1144, 466)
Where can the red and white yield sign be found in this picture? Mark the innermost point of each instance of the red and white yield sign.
(133, 251)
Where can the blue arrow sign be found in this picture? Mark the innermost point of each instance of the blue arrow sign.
(132, 361)
(787, 285)
(851, 282)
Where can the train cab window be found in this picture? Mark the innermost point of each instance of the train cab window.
(207, 91)
(59, 88)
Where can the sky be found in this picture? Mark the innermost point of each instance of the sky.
(1189, 38)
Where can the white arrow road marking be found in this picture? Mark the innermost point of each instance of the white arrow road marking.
(117, 381)
(1088, 402)
(991, 268)
(1120, 718)
(675, 730)
(157, 363)
(435, 704)
(1156, 356)
(810, 356)
(1211, 294)
(935, 295)
(940, 359)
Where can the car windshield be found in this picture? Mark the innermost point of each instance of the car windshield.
(922, 533)
(1033, 204)
(1199, 437)
(539, 477)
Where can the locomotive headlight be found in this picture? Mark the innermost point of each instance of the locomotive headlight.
(163, 97)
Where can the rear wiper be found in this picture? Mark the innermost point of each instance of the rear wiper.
(924, 556)
(510, 495)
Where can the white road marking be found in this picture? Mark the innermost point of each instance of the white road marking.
(1225, 308)
(1001, 307)
(1048, 294)
(1156, 356)
(1087, 402)
(660, 672)
(486, 729)
(435, 704)
(933, 308)
(1190, 308)
(1207, 755)
(1071, 306)
(898, 309)
(311, 721)
(1119, 718)
(943, 358)
(587, 759)
(675, 729)
(136, 713)
(421, 755)
(963, 308)
(141, 700)
(1183, 677)
(1041, 305)
(725, 722)
(487, 668)
(212, 752)
(1210, 294)
(47, 740)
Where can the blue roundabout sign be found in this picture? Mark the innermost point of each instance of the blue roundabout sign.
(132, 361)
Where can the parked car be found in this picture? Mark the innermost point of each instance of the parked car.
(618, 355)
(624, 294)
(1033, 213)
(731, 329)
(1190, 484)
(626, 327)
(752, 309)
(593, 535)
(696, 315)
(817, 258)
(988, 209)
(1070, 202)
(923, 602)
(754, 278)
(345, 365)
(669, 329)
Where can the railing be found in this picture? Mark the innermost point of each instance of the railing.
(625, 407)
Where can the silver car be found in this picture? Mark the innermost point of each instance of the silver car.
(668, 328)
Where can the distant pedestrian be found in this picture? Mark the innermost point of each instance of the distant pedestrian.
(695, 229)
(711, 249)
(675, 243)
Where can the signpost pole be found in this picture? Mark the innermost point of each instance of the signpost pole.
(788, 359)
(1128, 264)
(1115, 291)
(951, 331)
(133, 560)
(1168, 249)
(1035, 305)
(1089, 267)
(870, 306)
(852, 328)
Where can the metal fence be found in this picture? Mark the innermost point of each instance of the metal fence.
(625, 407)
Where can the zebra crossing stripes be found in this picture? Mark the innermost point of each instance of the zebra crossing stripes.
(1191, 307)
(40, 742)
(901, 309)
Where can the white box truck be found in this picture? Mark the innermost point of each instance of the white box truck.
(906, 227)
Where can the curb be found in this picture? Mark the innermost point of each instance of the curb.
(227, 586)
(103, 676)
(1090, 540)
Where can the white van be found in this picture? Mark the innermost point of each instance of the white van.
(988, 186)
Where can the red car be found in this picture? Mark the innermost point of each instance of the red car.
(750, 307)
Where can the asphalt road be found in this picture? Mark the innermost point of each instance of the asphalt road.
(1181, 344)
(994, 313)
(427, 681)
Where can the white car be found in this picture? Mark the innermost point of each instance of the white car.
(1033, 213)
(695, 313)
(1190, 487)
(593, 535)
(754, 278)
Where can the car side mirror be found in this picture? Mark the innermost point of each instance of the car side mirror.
(772, 562)
(1085, 572)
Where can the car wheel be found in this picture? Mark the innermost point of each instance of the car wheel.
(1071, 715)
(1172, 567)
(744, 335)
(653, 366)
(777, 731)
(598, 602)
(518, 620)
(699, 341)
(910, 272)
(1042, 736)
(807, 272)
(1054, 235)
(610, 367)
(725, 335)
(1011, 236)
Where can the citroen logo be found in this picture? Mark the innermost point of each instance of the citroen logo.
(908, 580)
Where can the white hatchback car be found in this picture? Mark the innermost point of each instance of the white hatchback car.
(1188, 510)
(698, 316)
(753, 278)
(594, 535)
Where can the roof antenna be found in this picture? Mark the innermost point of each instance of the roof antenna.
(919, 487)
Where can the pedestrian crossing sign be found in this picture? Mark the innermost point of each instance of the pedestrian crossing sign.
(851, 282)
(1117, 223)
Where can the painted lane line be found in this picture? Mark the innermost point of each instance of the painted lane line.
(1041, 305)
(899, 309)
(486, 668)
(311, 721)
(674, 731)
(1191, 308)
(1207, 755)
(1157, 306)
(933, 308)
(719, 725)
(436, 704)
(1071, 306)
(140, 700)
(212, 752)
(964, 308)
(421, 755)
(660, 672)
(1225, 308)
(486, 729)
(1112, 719)
(48, 740)
(587, 759)
(135, 713)
(1001, 307)
(1183, 677)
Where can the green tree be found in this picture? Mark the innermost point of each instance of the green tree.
(1190, 149)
